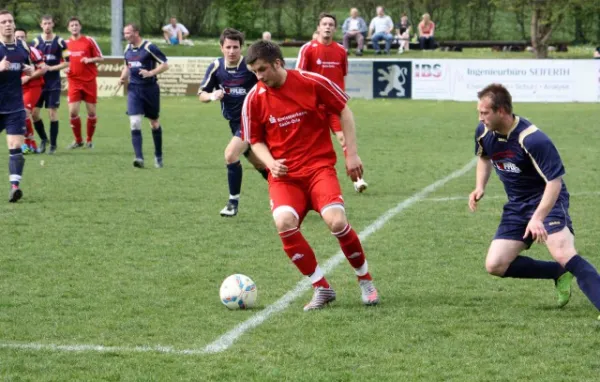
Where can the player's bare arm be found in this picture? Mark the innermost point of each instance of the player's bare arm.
(536, 228)
(354, 165)
(124, 75)
(4, 65)
(154, 72)
(217, 95)
(59, 67)
(276, 166)
(92, 60)
(482, 176)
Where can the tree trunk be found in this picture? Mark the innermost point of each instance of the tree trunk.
(578, 15)
(541, 28)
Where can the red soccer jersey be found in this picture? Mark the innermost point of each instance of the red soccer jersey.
(79, 49)
(330, 61)
(37, 58)
(289, 120)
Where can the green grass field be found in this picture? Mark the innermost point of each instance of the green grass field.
(100, 253)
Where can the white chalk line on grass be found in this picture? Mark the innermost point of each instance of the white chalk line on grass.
(466, 197)
(226, 340)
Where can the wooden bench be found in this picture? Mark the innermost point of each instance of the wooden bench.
(506, 46)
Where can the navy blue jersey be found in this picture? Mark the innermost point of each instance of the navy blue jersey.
(146, 56)
(11, 91)
(235, 81)
(54, 51)
(525, 160)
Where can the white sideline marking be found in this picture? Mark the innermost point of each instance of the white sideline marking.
(226, 340)
(453, 198)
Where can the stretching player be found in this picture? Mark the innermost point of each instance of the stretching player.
(84, 54)
(56, 57)
(328, 58)
(282, 120)
(32, 89)
(228, 80)
(14, 60)
(531, 170)
(143, 62)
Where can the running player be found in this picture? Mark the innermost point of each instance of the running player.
(282, 118)
(328, 58)
(228, 80)
(84, 54)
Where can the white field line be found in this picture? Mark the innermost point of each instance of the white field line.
(466, 197)
(226, 340)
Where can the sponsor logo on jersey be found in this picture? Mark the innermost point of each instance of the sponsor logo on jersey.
(134, 64)
(507, 167)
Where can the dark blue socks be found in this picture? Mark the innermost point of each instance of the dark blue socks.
(234, 178)
(587, 278)
(136, 140)
(524, 267)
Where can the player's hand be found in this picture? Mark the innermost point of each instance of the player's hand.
(474, 197)
(218, 95)
(145, 73)
(43, 67)
(67, 70)
(27, 69)
(121, 81)
(4, 64)
(354, 167)
(25, 79)
(278, 168)
(86, 60)
(536, 229)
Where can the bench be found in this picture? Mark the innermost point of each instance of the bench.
(505, 46)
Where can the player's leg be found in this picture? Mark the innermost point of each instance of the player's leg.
(258, 165)
(15, 136)
(157, 139)
(289, 206)
(38, 123)
(54, 103)
(151, 105)
(233, 151)
(30, 143)
(335, 125)
(74, 108)
(326, 197)
(90, 97)
(561, 245)
(135, 123)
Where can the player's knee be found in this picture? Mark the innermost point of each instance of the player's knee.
(73, 114)
(495, 267)
(154, 124)
(231, 154)
(335, 217)
(135, 121)
(286, 218)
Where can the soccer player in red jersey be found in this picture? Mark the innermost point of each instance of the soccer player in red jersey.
(329, 59)
(84, 54)
(284, 121)
(32, 90)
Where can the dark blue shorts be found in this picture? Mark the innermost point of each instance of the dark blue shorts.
(144, 100)
(515, 219)
(13, 123)
(49, 99)
(236, 128)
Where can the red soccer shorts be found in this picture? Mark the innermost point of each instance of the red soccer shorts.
(334, 122)
(31, 96)
(300, 195)
(82, 91)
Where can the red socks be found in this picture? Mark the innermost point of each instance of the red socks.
(76, 126)
(352, 248)
(302, 255)
(91, 127)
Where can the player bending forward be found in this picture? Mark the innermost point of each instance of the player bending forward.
(328, 58)
(531, 170)
(283, 121)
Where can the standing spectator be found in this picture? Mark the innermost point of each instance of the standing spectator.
(426, 31)
(403, 34)
(354, 27)
(266, 36)
(174, 32)
(382, 25)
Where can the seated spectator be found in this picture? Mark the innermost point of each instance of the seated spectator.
(266, 36)
(403, 34)
(315, 35)
(597, 53)
(382, 26)
(354, 27)
(426, 32)
(174, 32)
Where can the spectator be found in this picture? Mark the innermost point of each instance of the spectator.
(354, 27)
(426, 31)
(315, 35)
(403, 34)
(382, 25)
(175, 33)
(266, 36)
(597, 53)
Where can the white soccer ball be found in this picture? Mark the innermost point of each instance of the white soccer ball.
(238, 292)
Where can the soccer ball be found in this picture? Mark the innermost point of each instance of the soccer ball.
(238, 292)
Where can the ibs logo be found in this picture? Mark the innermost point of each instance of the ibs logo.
(428, 71)
(392, 79)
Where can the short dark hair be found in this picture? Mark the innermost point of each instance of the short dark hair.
(499, 96)
(74, 18)
(133, 26)
(264, 50)
(231, 34)
(324, 15)
(18, 29)
(4, 12)
(47, 17)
